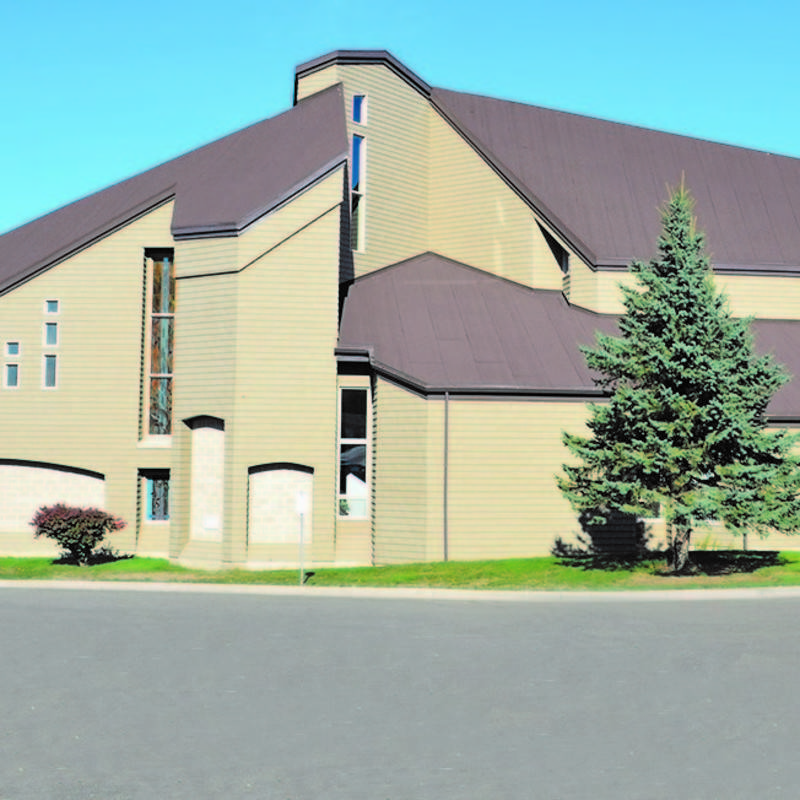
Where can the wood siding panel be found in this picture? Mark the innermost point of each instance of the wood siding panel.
(285, 399)
(402, 483)
(504, 456)
(92, 419)
(767, 298)
(317, 81)
(475, 217)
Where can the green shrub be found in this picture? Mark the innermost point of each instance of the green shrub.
(78, 531)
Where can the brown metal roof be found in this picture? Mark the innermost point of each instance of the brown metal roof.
(601, 183)
(442, 326)
(218, 189)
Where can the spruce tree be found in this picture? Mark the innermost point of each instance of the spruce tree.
(684, 427)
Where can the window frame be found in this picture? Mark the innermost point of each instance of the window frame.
(6, 373)
(50, 326)
(153, 257)
(342, 497)
(148, 480)
(47, 310)
(14, 343)
(363, 112)
(358, 193)
(48, 358)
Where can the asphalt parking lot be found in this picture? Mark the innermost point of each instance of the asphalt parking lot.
(130, 694)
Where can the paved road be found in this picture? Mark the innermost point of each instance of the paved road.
(116, 694)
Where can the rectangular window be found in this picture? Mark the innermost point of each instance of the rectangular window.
(353, 484)
(12, 376)
(156, 485)
(357, 194)
(359, 108)
(51, 306)
(51, 333)
(50, 372)
(161, 333)
(12, 348)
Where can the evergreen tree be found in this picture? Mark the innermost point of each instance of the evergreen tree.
(684, 427)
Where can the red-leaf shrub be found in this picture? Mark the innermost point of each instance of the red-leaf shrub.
(77, 530)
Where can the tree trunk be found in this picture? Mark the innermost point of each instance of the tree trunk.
(679, 551)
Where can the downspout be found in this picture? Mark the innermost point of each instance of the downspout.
(445, 477)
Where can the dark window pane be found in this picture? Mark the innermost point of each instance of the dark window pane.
(355, 211)
(160, 405)
(358, 141)
(49, 371)
(161, 346)
(12, 375)
(354, 414)
(51, 333)
(358, 108)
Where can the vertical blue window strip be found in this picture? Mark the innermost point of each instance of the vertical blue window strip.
(358, 108)
(358, 141)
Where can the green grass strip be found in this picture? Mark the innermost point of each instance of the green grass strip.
(714, 570)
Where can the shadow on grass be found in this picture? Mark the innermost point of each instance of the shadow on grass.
(701, 562)
(104, 555)
(731, 562)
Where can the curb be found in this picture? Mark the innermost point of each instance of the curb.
(479, 595)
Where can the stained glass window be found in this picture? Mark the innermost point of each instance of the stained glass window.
(162, 338)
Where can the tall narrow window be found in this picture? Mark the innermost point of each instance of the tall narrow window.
(359, 108)
(12, 376)
(162, 333)
(357, 194)
(50, 374)
(51, 333)
(353, 486)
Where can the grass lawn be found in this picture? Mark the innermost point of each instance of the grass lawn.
(718, 569)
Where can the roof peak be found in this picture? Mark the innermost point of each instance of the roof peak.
(354, 57)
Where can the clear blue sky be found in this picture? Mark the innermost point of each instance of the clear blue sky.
(92, 92)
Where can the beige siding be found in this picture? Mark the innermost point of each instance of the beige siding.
(409, 485)
(317, 81)
(92, 419)
(475, 217)
(768, 298)
(285, 399)
(504, 456)
(396, 169)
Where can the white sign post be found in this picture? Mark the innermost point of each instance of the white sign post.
(301, 506)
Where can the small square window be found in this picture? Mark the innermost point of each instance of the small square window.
(359, 108)
(12, 376)
(50, 372)
(12, 348)
(51, 306)
(51, 333)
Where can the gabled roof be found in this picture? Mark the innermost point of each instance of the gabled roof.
(218, 189)
(437, 325)
(601, 183)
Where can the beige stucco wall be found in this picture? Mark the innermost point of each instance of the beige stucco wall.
(91, 420)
